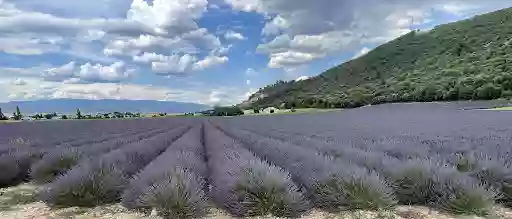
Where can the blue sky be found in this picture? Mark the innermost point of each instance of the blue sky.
(201, 51)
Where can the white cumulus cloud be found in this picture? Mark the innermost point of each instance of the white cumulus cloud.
(174, 64)
(232, 35)
(19, 82)
(302, 78)
(210, 61)
(361, 52)
(73, 73)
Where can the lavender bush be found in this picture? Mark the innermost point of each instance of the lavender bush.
(178, 196)
(25, 156)
(427, 182)
(247, 186)
(332, 184)
(58, 162)
(15, 166)
(101, 180)
(173, 183)
(421, 154)
(496, 173)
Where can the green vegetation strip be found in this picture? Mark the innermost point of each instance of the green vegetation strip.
(506, 108)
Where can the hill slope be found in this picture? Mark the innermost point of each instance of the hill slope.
(96, 106)
(470, 59)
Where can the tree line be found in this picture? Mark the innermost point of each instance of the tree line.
(17, 115)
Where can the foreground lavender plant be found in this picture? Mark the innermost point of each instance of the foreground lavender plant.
(426, 182)
(101, 180)
(173, 183)
(331, 184)
(246, 186)
(57, 162)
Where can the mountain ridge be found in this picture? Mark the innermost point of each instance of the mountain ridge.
(465, 60)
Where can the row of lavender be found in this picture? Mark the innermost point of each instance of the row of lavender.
(41, 133)
(19, 159)
(453, 160)
(180, 170)
(181, 173)
(283, 166)
(27, 136)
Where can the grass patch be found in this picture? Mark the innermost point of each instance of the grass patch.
(20, 195)
(289, 112)
(506, 108)
(73, 212)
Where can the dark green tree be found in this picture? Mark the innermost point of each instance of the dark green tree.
(227, 111)
(37, 116)
(78, 114)
(2, 116)
(64, 117)
(50, 115)
(118, 115)
(17, 115)
(489, 92)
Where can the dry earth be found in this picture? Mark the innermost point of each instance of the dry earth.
(20, 203)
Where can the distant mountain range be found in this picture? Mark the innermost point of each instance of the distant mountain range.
(69, 106)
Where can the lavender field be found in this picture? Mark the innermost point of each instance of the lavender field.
(371, 158)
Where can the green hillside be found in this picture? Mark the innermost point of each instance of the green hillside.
(470, 59)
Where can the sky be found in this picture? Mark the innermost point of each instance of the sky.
(214, 52)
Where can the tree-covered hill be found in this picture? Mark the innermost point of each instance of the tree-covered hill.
(470, 59)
